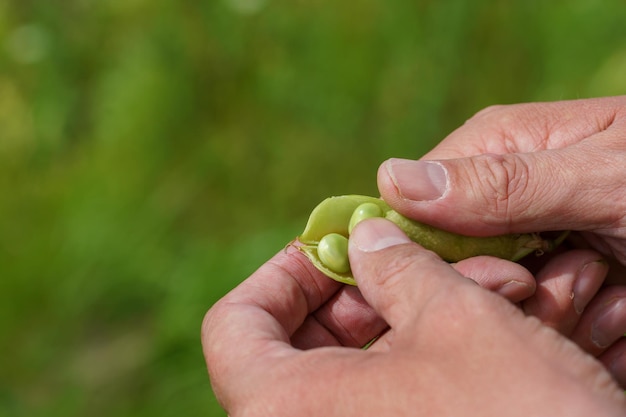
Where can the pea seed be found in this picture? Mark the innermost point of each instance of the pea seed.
(333, 252)
(362, 212)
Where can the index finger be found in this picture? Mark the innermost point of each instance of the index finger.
(528, 127)
(286, 289)
(260, 315)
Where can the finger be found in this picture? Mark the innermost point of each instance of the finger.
(396, 276)
(288, 287)
(345, 320)
(614, 360)
(571, 189)
(527, 167)
(528, 127)
(509, 279)
(565, 286)
(588, 240)
(603, 322)
(259, 316)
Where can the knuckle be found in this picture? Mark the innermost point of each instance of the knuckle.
(489, 111)
(504, 184)
(392, 269)
(395, 273)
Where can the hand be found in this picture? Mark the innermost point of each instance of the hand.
(570, 297)
(274, 345)
(535, 167)
(524, 168)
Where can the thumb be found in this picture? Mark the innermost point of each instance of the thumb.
(496, 194)
(396, 276)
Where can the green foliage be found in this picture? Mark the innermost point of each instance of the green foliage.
(154, 153)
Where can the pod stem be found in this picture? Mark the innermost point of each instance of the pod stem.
(539, 245)
(560, 239)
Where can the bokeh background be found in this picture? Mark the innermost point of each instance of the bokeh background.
(153, 153)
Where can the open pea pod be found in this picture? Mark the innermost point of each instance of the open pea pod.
(333, 216)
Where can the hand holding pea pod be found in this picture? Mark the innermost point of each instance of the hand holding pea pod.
(325, 237)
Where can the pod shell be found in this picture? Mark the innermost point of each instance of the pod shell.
(333, 215)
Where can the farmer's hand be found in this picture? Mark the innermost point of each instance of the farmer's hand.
(286, 342)
(524, 168)
(537, 167)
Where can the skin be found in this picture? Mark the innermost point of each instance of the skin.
(523, 168)
(535, 166)
(284, 341)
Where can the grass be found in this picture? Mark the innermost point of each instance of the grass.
(154, 153)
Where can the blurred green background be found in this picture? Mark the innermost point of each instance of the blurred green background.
(153, 153)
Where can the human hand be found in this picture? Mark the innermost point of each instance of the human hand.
(273, 345)
(534, 167)
(570, 297)
(524, 168)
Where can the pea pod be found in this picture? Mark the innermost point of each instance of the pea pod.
(334, 214)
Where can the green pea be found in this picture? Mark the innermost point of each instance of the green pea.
(333, 216)
(333, 252)
(362, 212)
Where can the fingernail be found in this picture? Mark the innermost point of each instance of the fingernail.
(513, 288)
(418, 180)
(610, 326)
(617, 367)
(376, 234)
(587, 283)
